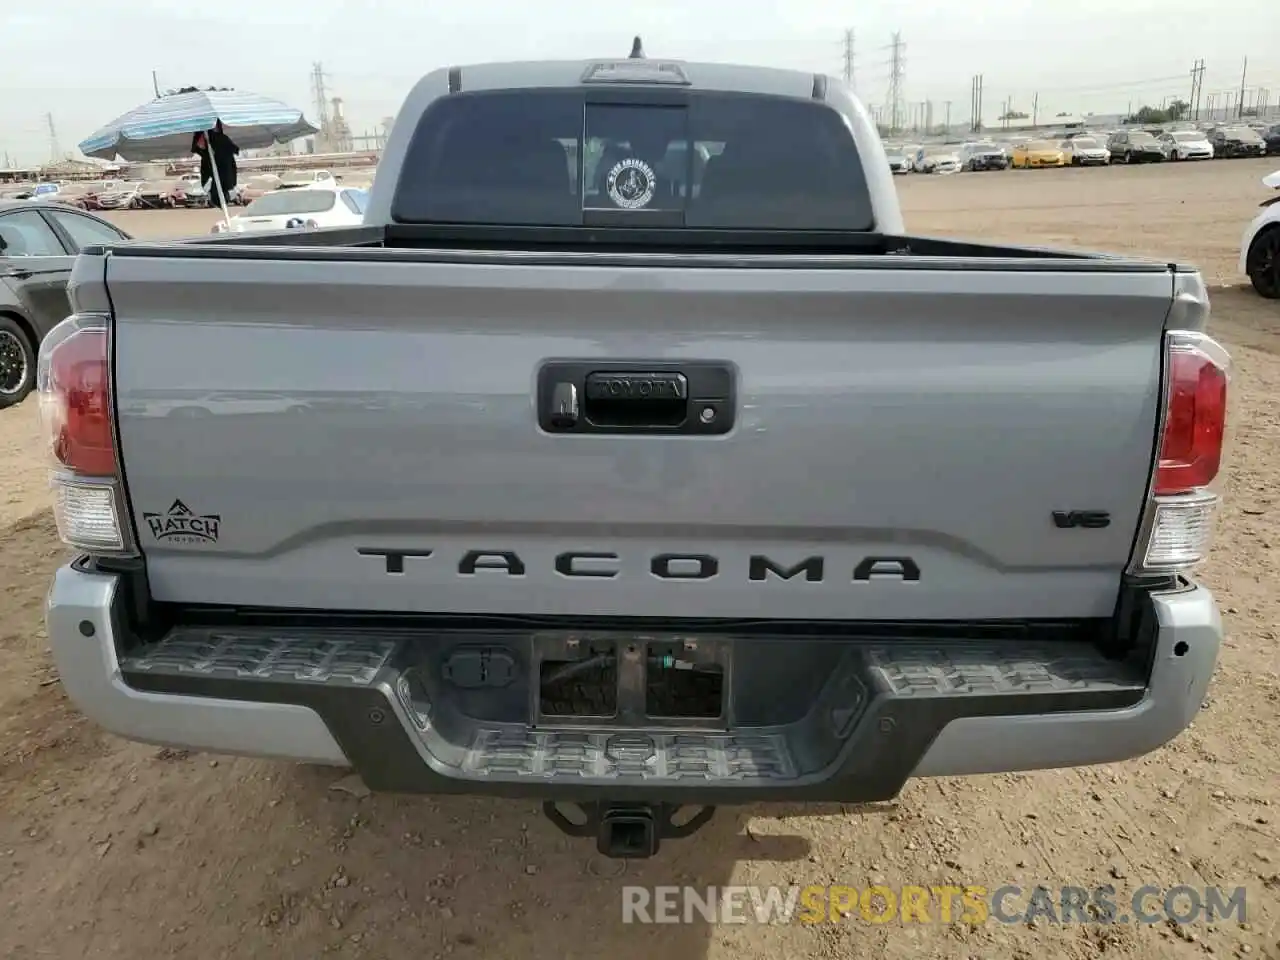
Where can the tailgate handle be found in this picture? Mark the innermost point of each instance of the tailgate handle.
(584, 396)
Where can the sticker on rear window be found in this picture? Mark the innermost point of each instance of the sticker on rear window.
(631, 184)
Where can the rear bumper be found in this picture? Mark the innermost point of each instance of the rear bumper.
(883, 716)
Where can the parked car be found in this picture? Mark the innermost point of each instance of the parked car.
(1134, 146)
(73, 195)
(161, 194)
(307, 178)
(38, 244)
(522, 539)
(1237, 141)
(306, 208)
(899, 162)
(122, 196)
(1037, 153)
(43, 191)
(1260, 250)
(194, 193)
(1186, 145)
(1271, 136)
(95, 188)
(983, 156)
(1085, 152)
(255, 187)
(939, 159)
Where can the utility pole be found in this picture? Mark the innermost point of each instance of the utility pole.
(848, 58)
(54, 153)
(1035, 108)
(1244, 72)
(975, 103)
(947, 104)
(1197, 82)
(155, 84)
(897, 73)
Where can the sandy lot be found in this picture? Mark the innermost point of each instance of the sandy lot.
(110, 849)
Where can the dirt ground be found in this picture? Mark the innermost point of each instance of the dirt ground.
(110, 849)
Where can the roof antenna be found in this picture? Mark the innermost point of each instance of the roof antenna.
(637, 51)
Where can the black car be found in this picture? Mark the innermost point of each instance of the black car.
(1272, 140)
(1134, 146)
(1240, 141)
(39, 240)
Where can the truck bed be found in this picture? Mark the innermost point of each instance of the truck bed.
(361, 423)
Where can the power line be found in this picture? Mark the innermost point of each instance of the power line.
(848, 58)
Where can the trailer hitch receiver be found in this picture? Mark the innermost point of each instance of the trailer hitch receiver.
(631, 831)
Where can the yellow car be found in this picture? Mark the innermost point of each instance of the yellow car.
(1037, 153)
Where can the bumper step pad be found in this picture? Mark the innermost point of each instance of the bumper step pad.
(876, 716)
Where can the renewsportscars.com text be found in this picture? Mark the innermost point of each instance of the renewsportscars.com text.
(969, 904)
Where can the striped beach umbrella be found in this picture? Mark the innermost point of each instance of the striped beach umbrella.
(162, 129)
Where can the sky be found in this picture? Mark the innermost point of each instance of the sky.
(84, 63)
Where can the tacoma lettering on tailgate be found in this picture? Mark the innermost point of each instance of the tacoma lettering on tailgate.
(594, 564)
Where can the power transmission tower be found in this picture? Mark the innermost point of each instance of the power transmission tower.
(54, 153)
(897, 74)
(975, 103)
(1197, 83)
(848, 58)
(1244, 72)
(321, 99)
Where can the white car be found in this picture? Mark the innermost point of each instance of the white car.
(121, 196)
(46, 191)
(899, 162)
(1186, 145)
(1085, 151)
(1260, 251)
(937, 161)
(307, 178)
(304, 208)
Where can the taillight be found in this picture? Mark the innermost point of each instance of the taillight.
(1195, 415)
(1179, 519)
(74, 382)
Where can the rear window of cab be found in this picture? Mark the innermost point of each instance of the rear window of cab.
(563, 158)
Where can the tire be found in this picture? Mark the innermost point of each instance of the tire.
(1262, 263)
(17, 363)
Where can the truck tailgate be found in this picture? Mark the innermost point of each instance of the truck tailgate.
(362, 434)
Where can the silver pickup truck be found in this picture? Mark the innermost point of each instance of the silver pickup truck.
(633, 456)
